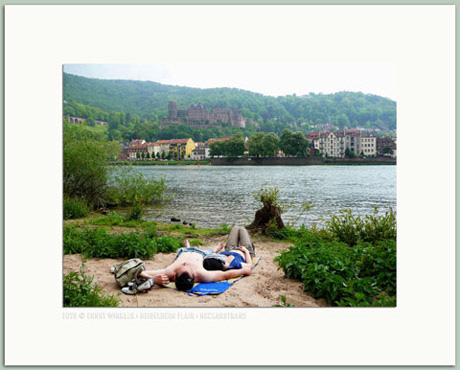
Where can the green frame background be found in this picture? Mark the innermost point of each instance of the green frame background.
(240, 2)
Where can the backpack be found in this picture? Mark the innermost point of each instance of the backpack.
(127, 271)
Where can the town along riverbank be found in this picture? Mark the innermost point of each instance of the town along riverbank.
(298, 161)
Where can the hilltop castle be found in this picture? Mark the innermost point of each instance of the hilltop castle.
(197, 115)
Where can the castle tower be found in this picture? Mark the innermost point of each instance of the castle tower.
(172, 108)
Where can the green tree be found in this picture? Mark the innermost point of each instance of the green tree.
(287, 142)
(387, 150)
(218, 148)
(300, 144)
(158, 155)
(255, 145)
(349, 153)
(85, 164)
(235, 146)
(270, 144)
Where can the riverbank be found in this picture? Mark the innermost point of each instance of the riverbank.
(264, 288)
(161, 163)
(305, 161)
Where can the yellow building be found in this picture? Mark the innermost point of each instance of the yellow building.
(179, 148)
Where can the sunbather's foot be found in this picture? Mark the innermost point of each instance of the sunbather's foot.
(187, 243)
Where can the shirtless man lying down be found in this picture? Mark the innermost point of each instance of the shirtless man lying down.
(187, 269)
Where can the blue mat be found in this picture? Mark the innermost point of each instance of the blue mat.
(218, 287)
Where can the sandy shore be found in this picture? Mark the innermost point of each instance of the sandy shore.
(263, 288)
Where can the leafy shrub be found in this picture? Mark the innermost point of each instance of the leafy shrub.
(97, 243)
(128, 187)
(166, 244)
(377, 227)
(270, 196)
(79, 291)
(135, 213)
(356, 276)
(350, 229)
(150, 231)
(74, 208)
(195, 242)
(85, 164)
(345, 226)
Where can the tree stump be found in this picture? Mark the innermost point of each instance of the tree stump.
(263, 217)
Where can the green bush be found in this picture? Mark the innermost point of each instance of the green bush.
(150, 231)
(377, 227)
(74, 208)
(135, 213)
(79, 291)
(85, 164)
(362, 275)
(129, 187)
(167, 244)
(97, 243)
(351, 229)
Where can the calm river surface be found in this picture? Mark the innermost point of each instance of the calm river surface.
(211, 195)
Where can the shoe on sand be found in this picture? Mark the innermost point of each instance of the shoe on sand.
(131, 290)
(146, 285)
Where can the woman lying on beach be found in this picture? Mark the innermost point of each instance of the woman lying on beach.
(187, 269)
(238, 253)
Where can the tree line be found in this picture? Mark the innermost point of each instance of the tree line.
(262, 145)
(149, 100)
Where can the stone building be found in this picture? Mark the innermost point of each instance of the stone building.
(335, 143)
(149, 150)
(196, 114)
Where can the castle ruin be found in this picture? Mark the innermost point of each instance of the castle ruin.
(198, 115)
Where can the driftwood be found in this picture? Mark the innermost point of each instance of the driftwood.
(263, 217)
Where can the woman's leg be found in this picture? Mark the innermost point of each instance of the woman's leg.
(232, 241)
(245, 241)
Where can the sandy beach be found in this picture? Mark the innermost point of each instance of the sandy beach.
(263, 288)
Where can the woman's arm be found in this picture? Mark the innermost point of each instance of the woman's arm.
(247, 256)
(212, 276)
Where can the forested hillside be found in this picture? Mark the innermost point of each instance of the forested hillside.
(149, 100)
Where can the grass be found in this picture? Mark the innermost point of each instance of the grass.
(81, 291)
(113, 236)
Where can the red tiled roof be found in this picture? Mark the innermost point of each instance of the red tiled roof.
(179, 141)
(163, 141)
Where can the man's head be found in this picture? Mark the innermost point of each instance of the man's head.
(184, 280)
(214, 262)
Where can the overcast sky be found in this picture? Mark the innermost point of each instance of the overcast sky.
(268, 79)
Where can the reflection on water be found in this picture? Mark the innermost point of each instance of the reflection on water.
(209, 196)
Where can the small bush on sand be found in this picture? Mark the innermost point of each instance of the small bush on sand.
(350, 229)
(80, 291)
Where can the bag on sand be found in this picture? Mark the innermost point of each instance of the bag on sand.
(127, 271)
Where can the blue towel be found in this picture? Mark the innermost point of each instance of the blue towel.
(210, 288)
(219, 287)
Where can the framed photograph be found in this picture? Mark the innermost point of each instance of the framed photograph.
(261, 169)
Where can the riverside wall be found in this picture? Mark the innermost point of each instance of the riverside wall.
(295, 161)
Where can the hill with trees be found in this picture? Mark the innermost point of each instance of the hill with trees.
(121, 102)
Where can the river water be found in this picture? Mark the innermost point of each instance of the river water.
(211, 195)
